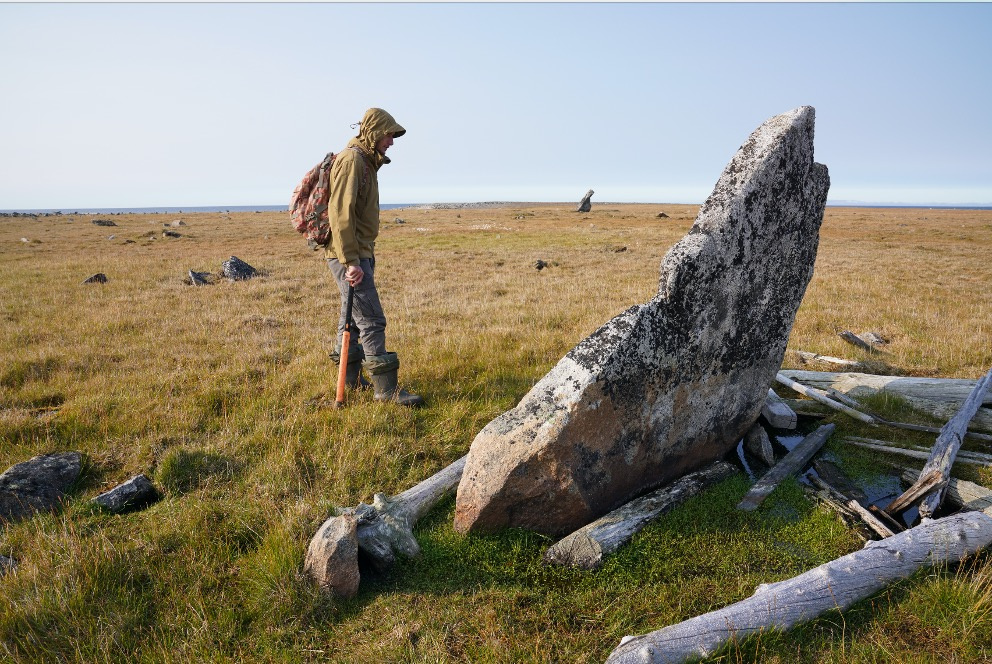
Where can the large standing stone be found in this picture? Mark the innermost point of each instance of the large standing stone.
(37, 484)
(671, 385)
(585, 205)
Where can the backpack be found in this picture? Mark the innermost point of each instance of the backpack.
(308, 206)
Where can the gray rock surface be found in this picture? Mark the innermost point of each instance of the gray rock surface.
(7, 565)
(98, 278)
(668, 386)
(585, 205)
(37, 484)
(332, 557)
(136, 492)
(236, 269)
(103, 222)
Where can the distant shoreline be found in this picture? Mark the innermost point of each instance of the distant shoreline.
(424, 206)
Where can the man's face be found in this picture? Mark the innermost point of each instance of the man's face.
(383, 143)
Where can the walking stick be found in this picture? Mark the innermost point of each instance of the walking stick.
(345, 344)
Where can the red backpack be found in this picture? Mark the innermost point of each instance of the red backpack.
(308, 206)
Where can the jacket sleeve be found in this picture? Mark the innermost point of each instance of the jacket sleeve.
(342, 207)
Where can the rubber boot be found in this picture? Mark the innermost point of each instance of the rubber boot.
(353, 374)
(383, 369)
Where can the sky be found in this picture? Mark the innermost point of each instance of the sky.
(195, 104)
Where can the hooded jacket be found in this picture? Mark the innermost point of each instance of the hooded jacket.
(353, 208)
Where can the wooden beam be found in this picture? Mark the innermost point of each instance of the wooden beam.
(818, 395)
(834, 585)
(914, 451)
(777, 413)
(587, 547)
(816, 357)
(964, 494)
(946, 447)
(790, 464)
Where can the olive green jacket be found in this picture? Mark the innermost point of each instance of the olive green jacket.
(353, 208)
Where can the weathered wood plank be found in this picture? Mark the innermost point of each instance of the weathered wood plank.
(587, 547)
(818, 395)
(777, 413)
(790, 464)
(816, 357)
(946, 447)
(939, 397)
(854, 506)
(834, 585)
(924, 485)
(966, 495)
(914, 451)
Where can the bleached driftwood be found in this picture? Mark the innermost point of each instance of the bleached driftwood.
(790, 464)
(915, 451)
(587, 547)
(858, 342)
(818, 395)
(940, 397)
(854, 507)
(834, 585)
(806, 356)
(777, 413)
(946, 447)
(924, 485)
(379, 531)
(964, 494)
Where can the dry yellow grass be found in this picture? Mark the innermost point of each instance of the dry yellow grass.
(221, 394)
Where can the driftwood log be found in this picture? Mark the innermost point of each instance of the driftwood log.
(790, 464)
(856, 341)
(822, 397)
(853, 507)
(914, 451)
(836, 585)
(777, 413)
(963, 494)
(945, 449)
(806, 356)
(587, 547)
(939, 397)
(379, 531)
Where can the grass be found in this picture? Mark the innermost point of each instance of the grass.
(222, 394)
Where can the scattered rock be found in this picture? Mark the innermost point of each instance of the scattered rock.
(136, 492)
(236, 269)
(98, 278)
(7, 565)
(199, 278)
(662, 215)
(874, 338)
(168, 233)
(618, 249)
(178, 222)
(111, 237)
(540, 265)
(585, 205)
(332, 557)
(671, 385)
(399, 221)
(103, 222)
(25, 240)
(38, 484)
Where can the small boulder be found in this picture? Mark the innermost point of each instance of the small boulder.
(236, 269)
(168, 233)
(662, 215)
(7, 565)
(135, 493)
(103, 222)
(178, 222)
(37, 484)
(540, 265)
(199, 278)
(98, 278)
(332, 557)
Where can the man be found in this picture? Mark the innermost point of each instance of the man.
(353, 212)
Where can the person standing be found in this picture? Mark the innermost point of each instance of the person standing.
(353, 213)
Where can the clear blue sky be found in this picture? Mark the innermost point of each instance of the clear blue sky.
(126, 105)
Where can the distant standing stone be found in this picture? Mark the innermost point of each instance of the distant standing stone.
(98, 278)
(585, 205)
(136, 492)
(236, 269)
(37, 484)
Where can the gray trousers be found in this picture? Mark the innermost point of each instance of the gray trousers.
(366, 311)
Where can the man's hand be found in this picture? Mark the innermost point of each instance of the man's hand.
(354, 275)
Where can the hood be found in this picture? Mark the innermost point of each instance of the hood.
(375, 124)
